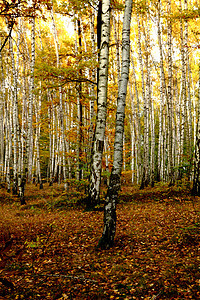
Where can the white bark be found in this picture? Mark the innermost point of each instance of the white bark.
(169, 98)
(2, 116)
(163, 96)
(95, 174)
(61, 113)
(108, 235)
(145, 177)
(138, 126)
(196, 179)
(30, 107)
(15, 118)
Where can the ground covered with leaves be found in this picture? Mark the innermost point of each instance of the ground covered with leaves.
(48, 246)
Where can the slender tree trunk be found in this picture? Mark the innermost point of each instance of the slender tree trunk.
(196, 179)
(138, 126)
(134, 164)
(37, 141)
(2, 116)
(149, 108)
(67, 122)
(108, 235)
(8, 149)
(169, 98)
(189, 101)
(178, 131)
(31, 95)
(92, 94)
(95, 172)
(117, 47)
(15, 118)
(80, 111)
(62, 166)
(163, 96)
(50, 147)
(145, 177)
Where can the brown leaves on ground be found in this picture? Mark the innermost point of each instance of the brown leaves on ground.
(48, 247)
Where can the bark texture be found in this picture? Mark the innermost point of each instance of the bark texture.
(108, 235)
(95, 173)
(196, 179)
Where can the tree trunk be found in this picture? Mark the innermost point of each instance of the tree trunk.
(15, 118)
(108, 235)
(169, 98)
(95, 172)
(2, 116)
(196, 179)
(137, 125)
(145, 177)
(60, 110)
(163, 96)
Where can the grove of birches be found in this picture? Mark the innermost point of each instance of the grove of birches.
(50, 60)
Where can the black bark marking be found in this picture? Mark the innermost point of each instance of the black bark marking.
(100, 145)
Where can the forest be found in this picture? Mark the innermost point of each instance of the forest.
(99, 149)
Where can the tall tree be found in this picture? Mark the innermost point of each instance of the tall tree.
(30, 104)
(98, 145)
(15, 117)
(145, 96)
(170, 97)
(61, 112)
(163, 93)
(108, 235)
(196, 179)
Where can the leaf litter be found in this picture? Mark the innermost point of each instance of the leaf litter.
(48, 252)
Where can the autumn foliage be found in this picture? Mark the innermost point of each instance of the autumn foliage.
(48, 246)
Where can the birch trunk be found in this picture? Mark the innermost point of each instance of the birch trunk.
(138, 126)
(149, 108)
(196, 179)
(61, 113)
(8, 149)
(189, 101)
(95, 172)
(134, 164)
(92, 93)
(145, 177)
(117, 47)
(163, 96)
(37, 142)
(50, 146)
(169, 98)
(31, 95)
(108, 235)
(80, 110)
(15, 118)
(2, 116)
(68, 128)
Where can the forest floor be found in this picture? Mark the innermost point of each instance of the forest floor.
(48, 246)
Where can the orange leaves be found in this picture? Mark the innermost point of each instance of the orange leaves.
(155, 252)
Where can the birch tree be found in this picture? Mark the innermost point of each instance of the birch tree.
(30, 107)
(145, 171)
(163, 96)
(109, 229)
(61, 111)
(138, 125)
(15, 117)
(170, 97)
(2, 110)
(95, 172)
(196, 179)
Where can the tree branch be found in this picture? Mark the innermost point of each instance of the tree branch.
(9, 35)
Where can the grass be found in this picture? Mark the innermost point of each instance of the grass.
(51, 246)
